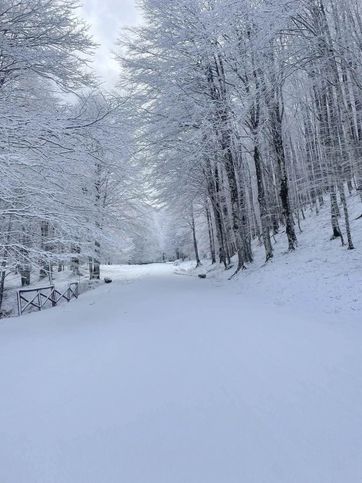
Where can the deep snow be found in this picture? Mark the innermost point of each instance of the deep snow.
(319, 278)
(159, 378)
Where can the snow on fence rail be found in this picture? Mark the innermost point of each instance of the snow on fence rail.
(41, 296)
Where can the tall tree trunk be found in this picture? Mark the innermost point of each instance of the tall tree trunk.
(96, 261)
(334, 215)
(4, 261)
(342, 195)
(262, 206)
(44, 263)
(75, 262)
(196, 249)
(283, 177)
(210, 230)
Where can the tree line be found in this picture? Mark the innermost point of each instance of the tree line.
(69, 190)
(231, 117)
(248, 112)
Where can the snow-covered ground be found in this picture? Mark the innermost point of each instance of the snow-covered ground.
(320, 277)
(60, 280)
(166, 378)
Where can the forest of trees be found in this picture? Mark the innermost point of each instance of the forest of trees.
(70, 192)
(248, 112)
(230, 120)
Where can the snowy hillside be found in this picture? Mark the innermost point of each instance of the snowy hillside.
(320, 277)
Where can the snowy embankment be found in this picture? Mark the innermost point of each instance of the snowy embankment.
(158, 378)
(320, 277)
(60, 280)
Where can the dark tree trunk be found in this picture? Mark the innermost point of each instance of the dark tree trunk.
(4, 262)
(75, 260)
(276, 127)
(334, 216)
(283, 177)
(94, 264)
(214, 192)
(262, 206)
(2, 283)
(342, 195)
(44, 264)
(211, 235)
(196, 249)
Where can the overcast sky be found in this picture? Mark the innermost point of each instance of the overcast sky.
(106, 19)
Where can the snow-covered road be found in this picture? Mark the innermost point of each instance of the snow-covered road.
(159, 378)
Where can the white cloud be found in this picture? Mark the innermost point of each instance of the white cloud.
(106, 19)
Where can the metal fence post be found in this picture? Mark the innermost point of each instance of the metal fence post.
(19, 303)
(52, 298)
